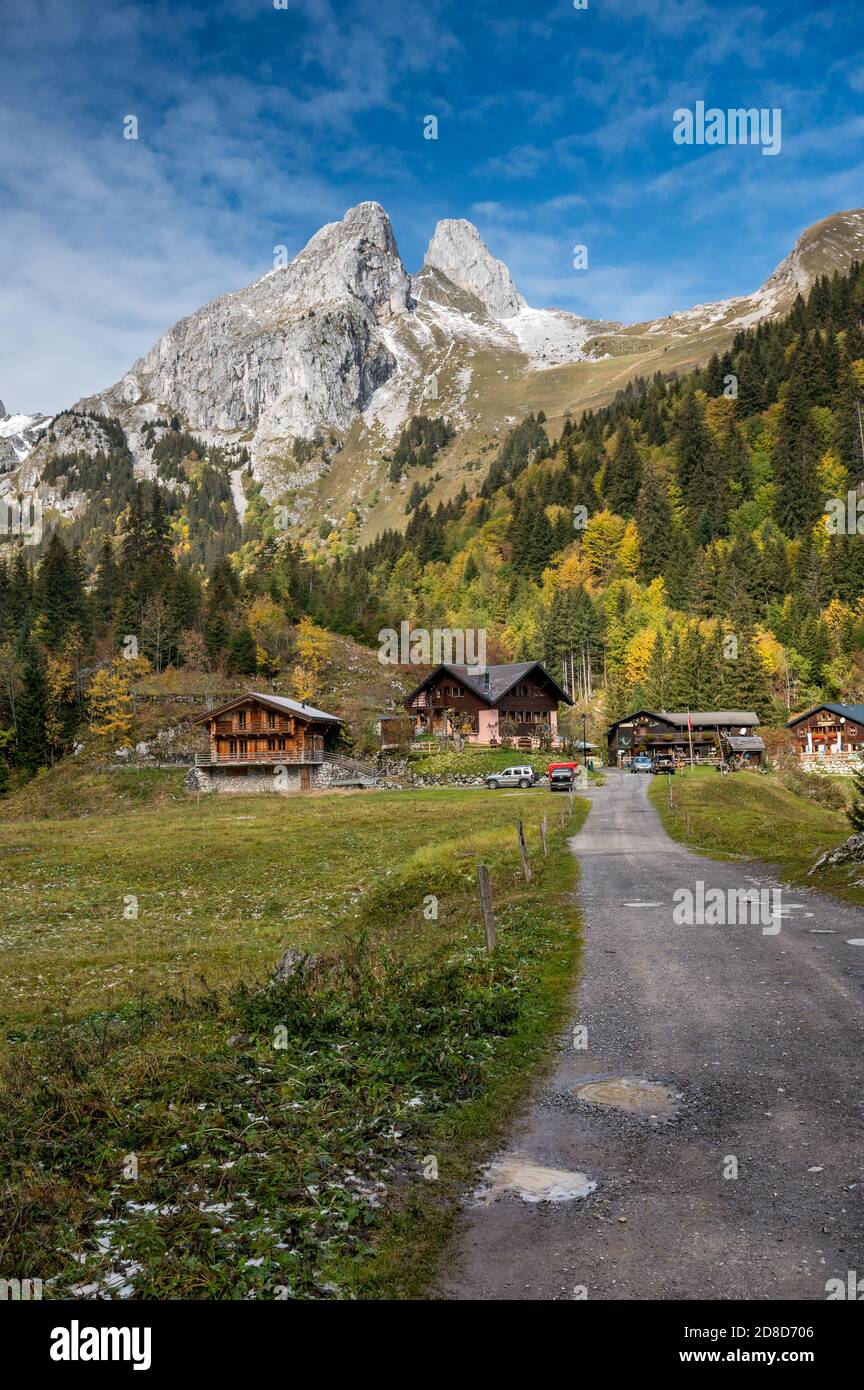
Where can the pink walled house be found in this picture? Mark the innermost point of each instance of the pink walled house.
(515, 700)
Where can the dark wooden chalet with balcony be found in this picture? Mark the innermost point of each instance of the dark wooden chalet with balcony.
(256, 736)
(517, 701)
(714, 735)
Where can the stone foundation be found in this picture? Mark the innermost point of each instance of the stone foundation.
(283, 779)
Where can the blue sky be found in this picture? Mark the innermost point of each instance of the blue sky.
(257, 125)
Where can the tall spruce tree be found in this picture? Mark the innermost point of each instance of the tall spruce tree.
(623, 472)
(32, 751)
(798, 504)
(655, 522)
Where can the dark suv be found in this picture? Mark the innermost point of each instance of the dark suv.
(663, 763)
(561, 779)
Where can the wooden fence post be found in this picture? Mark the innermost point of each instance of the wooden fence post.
(486, 904)
(543, 834)
(523, 850)
(562, 817)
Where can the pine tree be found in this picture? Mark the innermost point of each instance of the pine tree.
(794, 461)
(656, 676)
(59, 592)
(747, 686)
(32, 711)
(623, 472)
(242, 654)
(737, 465)
(655, 523)
(108, 585)
(678, 574)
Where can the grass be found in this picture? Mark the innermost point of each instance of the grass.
(476, 762)
(220, 886)
(755, 816)
(63, 792)
(242, 1139)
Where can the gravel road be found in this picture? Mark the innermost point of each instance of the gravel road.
(756, 1039)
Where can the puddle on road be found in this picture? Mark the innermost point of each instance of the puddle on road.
(632, 1094)
(532, 1182)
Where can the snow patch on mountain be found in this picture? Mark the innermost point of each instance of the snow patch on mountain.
(550, 337)
(18, 434)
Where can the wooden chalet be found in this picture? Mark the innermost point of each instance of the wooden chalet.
(517, 701)
(258, 732)
(715, 734)
(829, 736)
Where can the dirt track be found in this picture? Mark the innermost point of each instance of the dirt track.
(761, 1036)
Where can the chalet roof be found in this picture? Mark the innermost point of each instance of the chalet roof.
(700, 719)
(854, 713)
(494, 682)
(296, 707)
(745, 743)
(276, 702)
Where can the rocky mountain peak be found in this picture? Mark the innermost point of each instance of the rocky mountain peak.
(458, 251)
(356, 258)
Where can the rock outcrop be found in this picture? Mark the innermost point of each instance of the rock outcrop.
(18, 434)
(295, 353)
(457, 250)
(851, 851)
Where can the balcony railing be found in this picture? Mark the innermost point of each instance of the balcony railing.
(252, 756)
(227, 728)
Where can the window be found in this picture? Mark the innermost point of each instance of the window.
(241, 720)
(271, 721)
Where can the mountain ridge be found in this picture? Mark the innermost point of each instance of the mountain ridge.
(341, 346)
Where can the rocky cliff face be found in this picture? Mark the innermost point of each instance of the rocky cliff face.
(458, 252)
(297, 352)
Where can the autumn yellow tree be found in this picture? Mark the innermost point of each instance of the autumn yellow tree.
(109, 701)
(62, 692)
(314, 645)
(603, 539)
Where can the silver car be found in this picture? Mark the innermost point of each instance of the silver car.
(512, 777)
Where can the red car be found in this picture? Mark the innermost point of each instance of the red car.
(574, 767)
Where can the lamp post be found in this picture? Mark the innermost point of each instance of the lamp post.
(584, 749)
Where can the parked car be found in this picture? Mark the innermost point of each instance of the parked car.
(573, 767)
(641, 763)
(561, 779)
(521, 776)
(663, 763)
